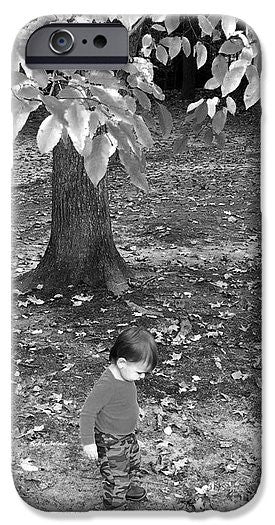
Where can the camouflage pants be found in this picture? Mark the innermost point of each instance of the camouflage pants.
(119, 466)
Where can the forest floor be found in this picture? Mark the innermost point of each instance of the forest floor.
(194, 244)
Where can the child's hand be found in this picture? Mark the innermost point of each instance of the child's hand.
(91, 451)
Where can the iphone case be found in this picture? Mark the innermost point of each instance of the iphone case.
(136, 198)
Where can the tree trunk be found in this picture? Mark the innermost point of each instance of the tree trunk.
(81, 247)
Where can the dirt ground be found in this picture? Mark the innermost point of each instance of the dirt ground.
(193, 242)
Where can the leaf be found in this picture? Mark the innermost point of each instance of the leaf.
(78, 124)
(127, 20)
(49, 134)
(213, 19)
(232, 80)
(231, 105)
(165, 120)
(246, 54)
(144, 86)
(69, 92)
(146, 40)
(158, 27)
(208, 136)
(237, 375)
(94, 122)
(174, 47)
(34, 300)
(252, 91)
(218, 362)
(194, 105)
(130, 103)
(211, 105)
(56, 107)
(132, 80)
(143, 99)
(201, 113)
(220, 139)
(219, 120)
(134, 169)
(96, 163)
(158, 93)
(19, 79)
(29, 92)
(219, 68)
(205, 25)
(171, 23)
(238, 63)
(231, 47)
(108, 96)
(203, 490)
(216, 35)
(39, 75)
(129, 138)
(145, 68)
(158, 18)
(162, 54)
(21, 110)
(201, 53)
(186, 47)
(39, 428)
(180, 144)
(228, 25)
(27, 466)
(212, 83)
(143, 133)
(226, 444)
(199, 505)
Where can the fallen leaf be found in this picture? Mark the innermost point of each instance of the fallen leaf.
(199, 505)
(57, 407)
(68, 367)
(226, 444)
(34, 300)
(237, 375)
(23, 303)
(180, 464)
(176, 357)
(220, 284)
(231, 467)
(195, 337)
(203, 490)
(38, 429)
(27, 466)
(218, 362)
(83, 297)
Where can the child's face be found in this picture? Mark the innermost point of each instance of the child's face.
(130, 371)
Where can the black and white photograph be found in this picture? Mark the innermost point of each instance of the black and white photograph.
(136, 240)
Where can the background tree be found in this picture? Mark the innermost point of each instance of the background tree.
(95, 114)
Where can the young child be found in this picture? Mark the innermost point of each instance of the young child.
(110, 413)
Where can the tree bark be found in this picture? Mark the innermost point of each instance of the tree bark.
(81, 248)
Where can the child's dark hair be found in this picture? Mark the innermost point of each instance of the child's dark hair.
(135, 345)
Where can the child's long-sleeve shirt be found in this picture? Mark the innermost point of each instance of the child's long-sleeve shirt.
(111, 407)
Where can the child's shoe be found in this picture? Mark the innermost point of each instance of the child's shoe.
(135, 493)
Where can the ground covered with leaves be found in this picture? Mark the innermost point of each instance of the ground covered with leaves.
(193, 243)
